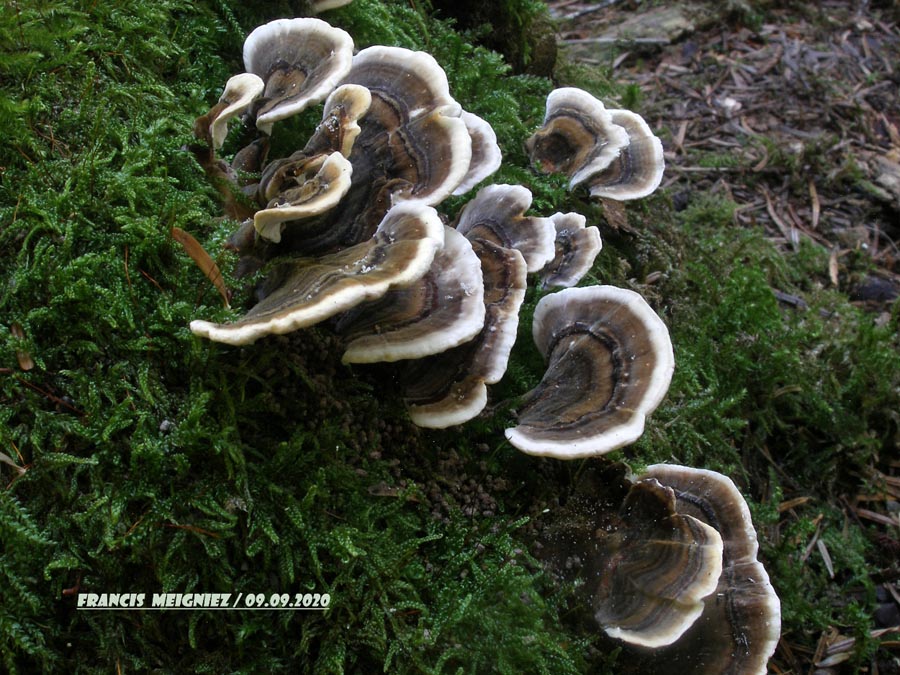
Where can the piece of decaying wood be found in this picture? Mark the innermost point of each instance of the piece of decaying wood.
(203, 260)
(23, 357)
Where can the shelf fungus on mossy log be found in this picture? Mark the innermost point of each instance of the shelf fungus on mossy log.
(613, 152)
(439, 311)
(576, 248)
(486, 154)
(610, 362)
(305, 291)
(740, 625)
(240, 92)
(450, 388)
(655, 568)
(300, 60)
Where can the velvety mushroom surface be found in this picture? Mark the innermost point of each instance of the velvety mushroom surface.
(638, 169)
(610, 362)
(305, 291)
(450, 388)
(497, 214)
(439, 311)
(578, 138)
(300, 60)
(576, 249)
(657, 568)
(741, 621)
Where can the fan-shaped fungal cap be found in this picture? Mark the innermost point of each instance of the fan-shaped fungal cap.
(576, 248)
(240, 91)
(638, 169)
(439, 311)
(300, 188)
(497, 214)
(486, 155)
(656, 569)
(301, 62)
(450, 388)
(578, 137)
(404, 83)
(741, 623)
(610, 362)
(305, 291)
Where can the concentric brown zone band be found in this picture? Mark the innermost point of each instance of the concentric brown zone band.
(564, 144)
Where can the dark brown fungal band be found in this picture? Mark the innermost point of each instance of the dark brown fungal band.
(610, 362)
(576, 248)
(450, 388)
(337, 132)
(656, 569)
(638, 170)
(497, 214)
(439, 311)
(741, 622)
(578, 137)
(300, 60)
(306, 291)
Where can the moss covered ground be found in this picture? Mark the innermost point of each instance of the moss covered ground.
(138, 458)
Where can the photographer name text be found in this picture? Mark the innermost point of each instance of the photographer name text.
(212, 601)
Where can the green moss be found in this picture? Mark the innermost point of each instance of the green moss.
(159, 462)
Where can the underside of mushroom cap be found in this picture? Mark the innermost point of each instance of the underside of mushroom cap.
(657, 567)
(578, 137)
(301, 62)
(497, 214)
(450, 388)
(638, 170)
(240, 92)
(741, 622)
(305, 291)
(576, 248)
(439, 311)
(610, 362)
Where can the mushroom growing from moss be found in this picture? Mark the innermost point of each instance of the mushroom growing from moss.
(576, 247)
(657, 567)
(610, 362)
(613, 152)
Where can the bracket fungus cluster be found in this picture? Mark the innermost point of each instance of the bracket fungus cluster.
(349, 236)
(347, 230)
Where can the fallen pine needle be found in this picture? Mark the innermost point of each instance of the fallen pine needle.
(202, 259)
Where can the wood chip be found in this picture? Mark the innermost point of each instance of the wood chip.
(203, 260)
(23, 357)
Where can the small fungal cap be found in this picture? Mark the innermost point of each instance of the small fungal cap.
(638, 170)
(497, 214)
(442, 310)
(576, 248)
(340, 120)
(610, 362)
(657, 568)
(305, 291)
(240, 91)
(486, 155)
(741, 622)
(301, 62)
(299, 189)
(578, 138)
